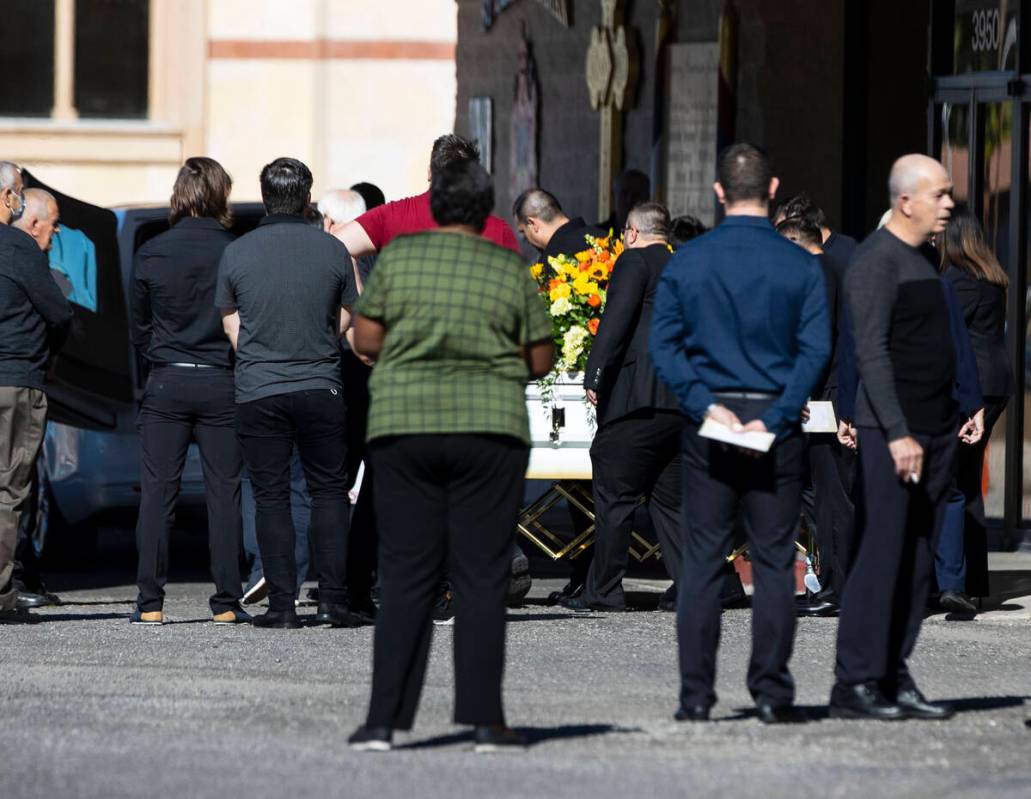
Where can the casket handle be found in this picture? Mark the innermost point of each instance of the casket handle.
(558, 421)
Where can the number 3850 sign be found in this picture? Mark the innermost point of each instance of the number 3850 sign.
(986, 33)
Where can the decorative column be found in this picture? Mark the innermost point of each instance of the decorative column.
(64, 60)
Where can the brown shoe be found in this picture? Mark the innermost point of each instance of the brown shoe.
(235, 616)
(147, 617)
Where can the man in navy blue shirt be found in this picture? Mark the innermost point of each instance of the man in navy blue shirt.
(741, 333)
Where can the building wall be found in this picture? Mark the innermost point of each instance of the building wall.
(356, 89)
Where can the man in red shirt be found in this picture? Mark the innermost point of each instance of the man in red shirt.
(375, 229)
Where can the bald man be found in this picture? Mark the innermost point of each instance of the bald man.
(40, 218)
(907, 423)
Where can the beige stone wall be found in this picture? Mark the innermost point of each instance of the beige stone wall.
(358, 89)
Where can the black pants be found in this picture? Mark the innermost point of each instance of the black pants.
(832, 467)
(886, 592)
(181, 405)
(716, 480)
(443, 502)
(269, 428)
(363, 541)
(637, 455)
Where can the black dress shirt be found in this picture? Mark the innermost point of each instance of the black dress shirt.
(174, 315)
(569, 239)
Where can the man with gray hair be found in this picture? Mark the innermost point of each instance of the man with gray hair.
(636, 451)
(907, 422)
(33, 313)
(338, 207)
(543, 223)
(12, 203)
(40, 217)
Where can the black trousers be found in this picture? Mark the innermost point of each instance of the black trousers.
(445, 504)
(832, 470)
(634, 456)
(363, 540)
(269, 428)
(717, 479)
(181, 405)
(886, 592)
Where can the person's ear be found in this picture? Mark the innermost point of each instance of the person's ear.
(774, 185)
(720, 194)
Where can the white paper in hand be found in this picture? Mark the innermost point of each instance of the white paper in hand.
(821, 418)
(760, 442)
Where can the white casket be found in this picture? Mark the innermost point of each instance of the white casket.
(562, 426)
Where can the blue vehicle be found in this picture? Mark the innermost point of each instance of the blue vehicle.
(91, 455)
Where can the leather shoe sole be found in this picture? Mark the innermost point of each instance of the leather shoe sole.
(818, 609)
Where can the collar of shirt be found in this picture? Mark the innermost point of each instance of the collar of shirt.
(747, 221)
(275, 219)
(199, 222)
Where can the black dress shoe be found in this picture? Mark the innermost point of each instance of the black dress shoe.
(863, 701)
(581, 605)
(956, 602)
(497, 738)
(364, 610)
(336, 615)
(692, 713)
(570, 589)
(818, 607)
(277, 620)
(28, 599)
(780, 714)
(18, 616)
(371, 739)
(916, 706)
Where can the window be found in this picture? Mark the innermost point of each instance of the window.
(27, 58)
(111, 50)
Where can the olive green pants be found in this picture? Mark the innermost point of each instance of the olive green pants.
(23, 418)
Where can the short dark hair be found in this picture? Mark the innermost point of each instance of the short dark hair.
(201, 189)
(650, 219)
(371, 193)
(461, 193)
(801, 206)
(313, 216)
(744, 172)
(684, 228)
(450, 148)
(801, 230)
(537, 203)
(286, 187)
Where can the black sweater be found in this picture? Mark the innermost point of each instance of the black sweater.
(34, 315)
(903, 342)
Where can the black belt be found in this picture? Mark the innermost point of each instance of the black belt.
(179, 365)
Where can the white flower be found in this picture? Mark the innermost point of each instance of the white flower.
(573, 344)
(561, 306)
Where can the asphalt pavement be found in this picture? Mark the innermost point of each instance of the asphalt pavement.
(94, 707)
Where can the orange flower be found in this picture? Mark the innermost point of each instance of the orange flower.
(592, 324)
(604, 256)
(594, 300)
(555, 282)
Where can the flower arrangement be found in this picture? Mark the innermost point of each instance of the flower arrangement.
(575, 289)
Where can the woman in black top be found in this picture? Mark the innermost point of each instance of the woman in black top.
(189, 392)
(980, 284)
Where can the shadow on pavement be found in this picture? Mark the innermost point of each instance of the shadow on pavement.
(970, 704)
(534, 735)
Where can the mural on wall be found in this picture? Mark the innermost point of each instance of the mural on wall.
(523, 166)
(492, 10)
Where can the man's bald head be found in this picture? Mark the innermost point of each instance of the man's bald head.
(40, 217)
(921, 198)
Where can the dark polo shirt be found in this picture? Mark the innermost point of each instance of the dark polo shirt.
(288, 280)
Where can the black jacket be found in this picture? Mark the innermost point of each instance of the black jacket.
(34, 315)
(619, 368)
(827, 387)
(984, 310)
(174, 315)
(569, 240)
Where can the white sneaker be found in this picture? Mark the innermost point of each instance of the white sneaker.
(256, 593)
